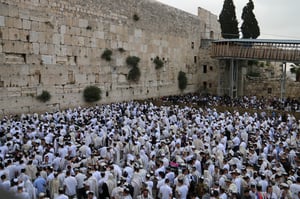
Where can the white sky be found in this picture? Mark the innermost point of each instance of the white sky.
(277, 19)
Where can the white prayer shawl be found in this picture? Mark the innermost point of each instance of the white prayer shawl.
(30, 189)
(111, 183)
(137, 184)
(93, 185)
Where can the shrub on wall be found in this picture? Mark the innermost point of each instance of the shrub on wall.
(134, 73)
(136, 17)
(44, 96)
(158, 62)
(106, 55)
(182, 80)
(121, 50)
(92, 94)
(132, 61)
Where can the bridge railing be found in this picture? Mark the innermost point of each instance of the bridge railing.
(250, 50)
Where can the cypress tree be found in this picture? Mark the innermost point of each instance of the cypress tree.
(249, 28)
(228, 21)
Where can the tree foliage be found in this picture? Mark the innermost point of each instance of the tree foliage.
(249, 28)
(44, 96)
(134, 73)
(228, 21)
(107, 55)
(182, 80)
(92, 94)
(158, 62)
(295, 69)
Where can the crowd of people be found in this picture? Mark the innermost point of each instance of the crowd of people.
(138, 150)
(248, 102)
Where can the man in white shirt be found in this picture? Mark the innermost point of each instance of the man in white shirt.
(295, 188)
(165, 191)
(80, 177)
(70, 184)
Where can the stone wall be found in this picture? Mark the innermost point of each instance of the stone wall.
(271, 87)
(56, 45)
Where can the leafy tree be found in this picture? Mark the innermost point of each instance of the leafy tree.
(249, 28)
(295, 69)
(228, 21)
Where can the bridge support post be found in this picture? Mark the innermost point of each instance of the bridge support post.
(283, 81)
(231, 78)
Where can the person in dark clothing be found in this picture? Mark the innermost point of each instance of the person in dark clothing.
(103, 188)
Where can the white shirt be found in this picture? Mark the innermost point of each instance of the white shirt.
(165, 191)
(80, 180)
(183, 191)
(295, 188)
(62, 196)
(70, 182)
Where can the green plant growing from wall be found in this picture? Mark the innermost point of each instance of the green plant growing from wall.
(136, 17)
(121, 50)
(182, 80)
(106, 55)
(92, 94)
(158, 62)
(44, 96)
(134, 73)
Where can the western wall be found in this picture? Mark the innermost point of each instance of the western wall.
(56, 45)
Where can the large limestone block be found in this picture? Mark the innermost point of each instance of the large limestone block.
(2, 21)
(83, 23)
(13, 11)
(33, 36)
(14, 34)
(48, 59)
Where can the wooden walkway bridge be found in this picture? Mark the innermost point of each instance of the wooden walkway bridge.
(257, 49)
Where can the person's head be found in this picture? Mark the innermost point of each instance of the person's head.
(61, 190)
(269, 189)
(90, 195)
(145, 192)
(167, 181)
(246, 192)
(20, 189)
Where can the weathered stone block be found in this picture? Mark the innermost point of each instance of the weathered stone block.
(47, 59)
(41, 37)
(13, 11)
(43, 48)
(80, 41)
(83, 23)
(99, 34)
(63, 29)
(2, 21)
(26, 24)
(33, 36)
(4, 9)
(36, 48)
(34, 25)
(56, 38)
(138, 33)
(12, 22)
(14, 34)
